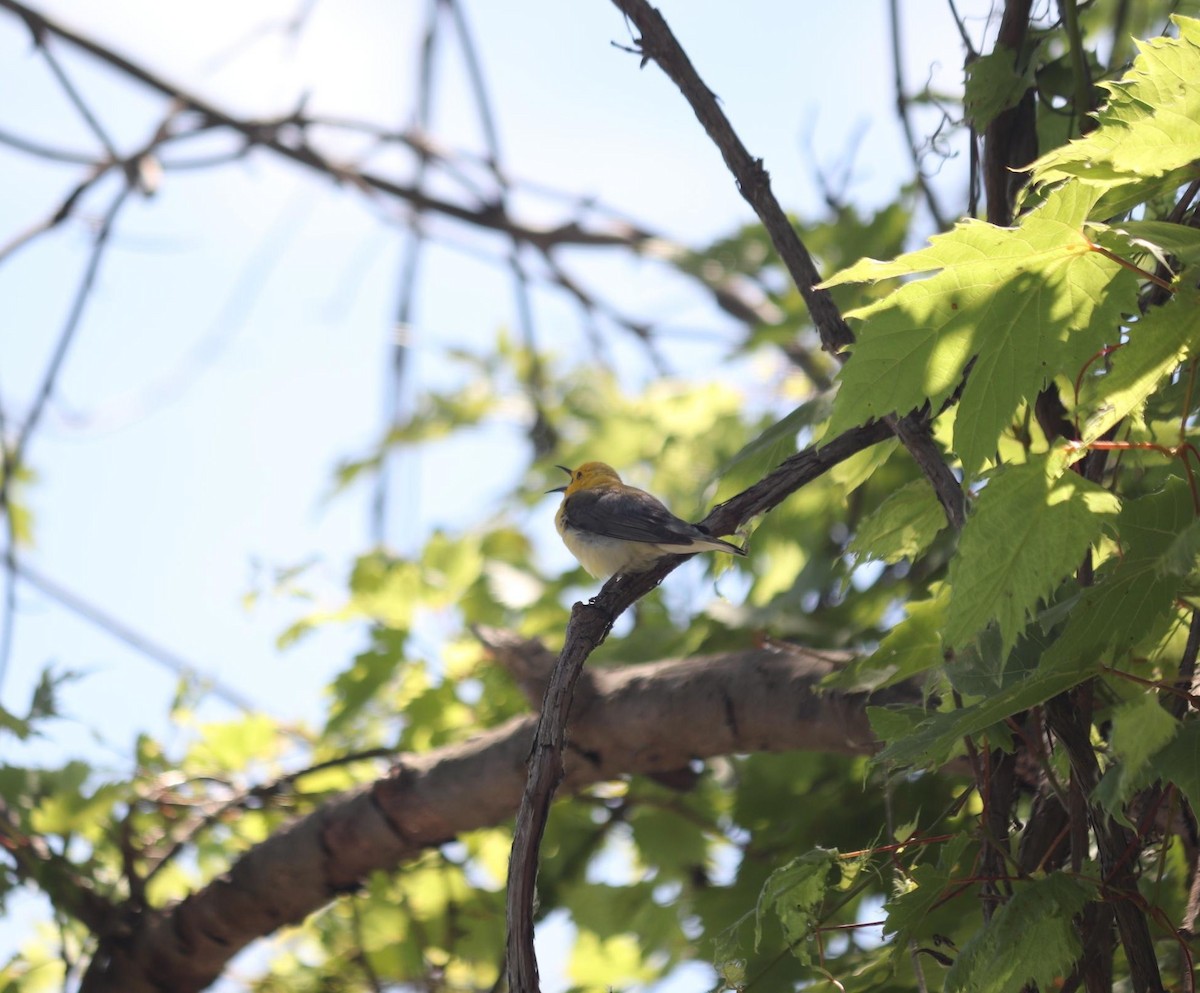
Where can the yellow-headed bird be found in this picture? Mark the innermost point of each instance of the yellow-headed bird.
(611, 527)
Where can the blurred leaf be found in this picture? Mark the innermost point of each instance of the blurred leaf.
(795, 892)
(902, 526)
(1141, 728)
(600, 964)
(994, 85)
(911, 647)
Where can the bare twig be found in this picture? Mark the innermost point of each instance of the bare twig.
(656, 43)
(74, 95)
(402, 339)
(67, 335)
(14, 453)
(273, 135)
(289, 135)
(31, 147)
(902, 111)
(541, 432)
(213, 813)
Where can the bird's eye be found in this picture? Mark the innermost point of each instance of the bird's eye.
(579, 475)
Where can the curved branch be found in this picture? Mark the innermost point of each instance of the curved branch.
(670, 713)
(657, 43)
(589, 626)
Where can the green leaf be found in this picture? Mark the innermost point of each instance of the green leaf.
(1026, 303)
(902, 526)
(1179, 762)
(1030, 940)
(924, 886)
(1149, 127)
(851, 473)
(1133, 594)
(667, 841)
(937, 737)
(1181, 557)
(604, 964)
(912, 646)
(994, 85)
(894, 724)
(795, 892)
(364, 679)
(1027, 532)
(1164, 238)
(1158, 343)
(778, 441)
(1141, 727)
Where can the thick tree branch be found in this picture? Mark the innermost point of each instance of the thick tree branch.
(639, 719)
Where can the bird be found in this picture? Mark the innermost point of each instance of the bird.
(611, 527)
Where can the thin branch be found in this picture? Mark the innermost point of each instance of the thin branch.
(1177, 703)
(401, 344)
(14, 453)
(73, 94)
(1010, 141)
(1070, 718)
(122, 632)
(264, 793)
(589, 625)
(962, 30)
(541, 432)
(32, 147)
(70, 892)
(902, 111)
(618, 231)
(57, 216)
(656, 43)
(269, 134)
(1081, 77)
(66, 335)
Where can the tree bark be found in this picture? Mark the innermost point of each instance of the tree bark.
(641, 720)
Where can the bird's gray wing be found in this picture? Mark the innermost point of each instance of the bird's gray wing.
(628, 516)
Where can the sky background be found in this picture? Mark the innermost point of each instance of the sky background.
(235, 349)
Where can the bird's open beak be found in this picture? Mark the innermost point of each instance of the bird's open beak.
(560, 489)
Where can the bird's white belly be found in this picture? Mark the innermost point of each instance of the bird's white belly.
(603, 557)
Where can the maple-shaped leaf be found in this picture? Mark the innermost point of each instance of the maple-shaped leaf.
(1158, 343)
(902, 526)
(1150, 126)
(1141, 728)
(1026, 303)
(931, 741)
(1029, 530)
(1134, 592)
(1031, 940)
